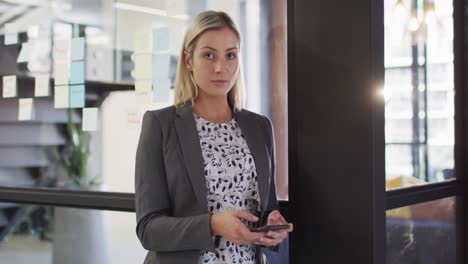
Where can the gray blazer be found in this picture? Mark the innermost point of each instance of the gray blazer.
(173, 222)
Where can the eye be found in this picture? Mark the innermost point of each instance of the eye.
(208, 55)
(231, 55)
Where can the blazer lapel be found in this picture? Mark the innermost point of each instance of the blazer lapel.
(252, 133)
(191, 150)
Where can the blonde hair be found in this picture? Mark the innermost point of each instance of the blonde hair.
(185, 86)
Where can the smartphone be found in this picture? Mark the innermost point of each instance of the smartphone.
(267, 228)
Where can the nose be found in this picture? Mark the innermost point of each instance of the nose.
(220, 66)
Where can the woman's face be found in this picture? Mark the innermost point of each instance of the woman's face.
(215, 62)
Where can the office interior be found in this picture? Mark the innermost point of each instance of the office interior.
(368, 101)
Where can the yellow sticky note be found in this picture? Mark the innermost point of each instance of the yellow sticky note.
(143, 63)
(144, 85)
(33, 31)
(61, 51)
(142, 41)
(9, 86)
(25, 111)
(141, 75)
(175, 8)
(143, 97)
(41, 85)
(90, 119)
(61, 96)
(61, 73)
(134, 117)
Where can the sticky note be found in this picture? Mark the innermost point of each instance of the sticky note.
(141, 75)
(161, 39)
(77, 49)
(61, 51)
(77, 72)
(41, 85)
(133, 117)
(11, 28)
(61, 96)
(25, 109)
(90, 119)
(143, 97)
(11, 39)
(143, 63)
(9, 86)
(61, 73)
(25, 52)
(161, 81)
(77, 96)
(142, 42)
(161, 91)
(33, 31)
(143, 85)
(161, 66)
(174, 8)
(11, 33)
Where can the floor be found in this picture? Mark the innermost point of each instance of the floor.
(21, 249)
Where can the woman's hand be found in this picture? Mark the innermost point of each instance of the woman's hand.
(273, 238)
(229, 225)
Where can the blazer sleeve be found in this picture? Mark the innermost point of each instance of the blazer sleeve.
(156, 228)
(272, 200)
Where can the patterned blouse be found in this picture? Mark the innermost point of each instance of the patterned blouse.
(231, 181)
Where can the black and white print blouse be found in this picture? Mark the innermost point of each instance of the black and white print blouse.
(231, 181)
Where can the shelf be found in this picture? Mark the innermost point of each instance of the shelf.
(25, 86)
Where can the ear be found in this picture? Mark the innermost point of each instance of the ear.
(187, 61)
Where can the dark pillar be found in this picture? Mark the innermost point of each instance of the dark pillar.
(336, 131)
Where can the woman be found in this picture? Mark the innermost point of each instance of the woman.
(205, 166)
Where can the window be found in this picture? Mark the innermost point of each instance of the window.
(106, 44)
(419, 92)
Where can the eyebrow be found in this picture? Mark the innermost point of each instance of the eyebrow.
(208, 47)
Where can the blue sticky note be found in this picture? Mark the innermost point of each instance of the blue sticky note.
(161, 90)
(77, 71)
(25, 52)
(77, 49)
(77, 96)
(160, 39)
(161, 64)
(11, 39)
(161, 79)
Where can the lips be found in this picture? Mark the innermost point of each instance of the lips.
(219, 82)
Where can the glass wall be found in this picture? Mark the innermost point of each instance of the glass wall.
(422, 233)
(419, 92)
(56, 235)
(78, 76)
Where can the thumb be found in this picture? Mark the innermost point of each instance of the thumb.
(246, 215)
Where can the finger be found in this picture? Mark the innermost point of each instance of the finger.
(251, 237)
(275, 218)
(277, 234)
(269, 242)
(274, 215)
(282, 220)
(278, 222)
(245, 215)
(245, 233)
(291, 227)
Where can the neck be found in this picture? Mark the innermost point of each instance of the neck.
(213, 109)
